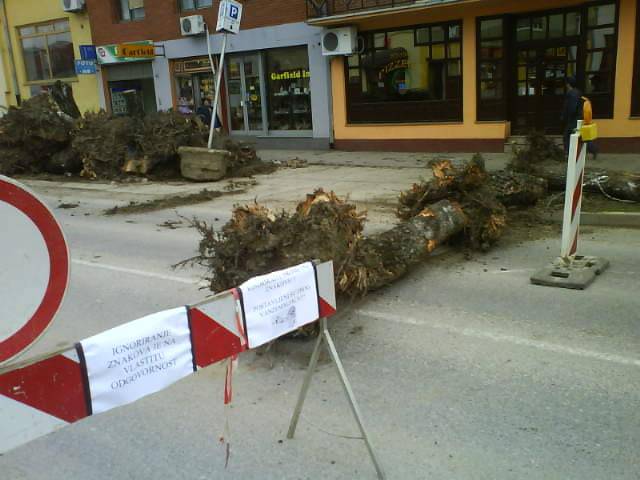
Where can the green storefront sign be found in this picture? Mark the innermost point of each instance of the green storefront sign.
(108, 54)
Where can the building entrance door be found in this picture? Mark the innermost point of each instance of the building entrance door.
(546, 54)
(246, 101)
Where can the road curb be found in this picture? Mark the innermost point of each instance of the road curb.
(604, 219)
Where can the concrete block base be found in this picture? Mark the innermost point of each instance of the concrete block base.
(202, 164)
(577, 275)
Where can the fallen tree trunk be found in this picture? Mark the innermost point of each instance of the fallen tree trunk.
(612, 184)
(411, 242)
(324, 227)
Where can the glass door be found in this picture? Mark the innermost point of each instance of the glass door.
(546, 54)
(235, 93)
(244, 87)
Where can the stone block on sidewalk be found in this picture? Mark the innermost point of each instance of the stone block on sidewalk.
(202, 164)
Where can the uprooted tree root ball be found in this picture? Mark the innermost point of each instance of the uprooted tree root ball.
(47, 134)
(538, 149)
(483, 197)
(31, 134)
(111, 146)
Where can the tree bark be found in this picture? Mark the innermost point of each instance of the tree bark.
(411, 242)
(612, 184)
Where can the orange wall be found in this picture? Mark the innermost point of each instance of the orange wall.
(620, 126)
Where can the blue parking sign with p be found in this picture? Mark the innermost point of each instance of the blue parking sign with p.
(233, 12)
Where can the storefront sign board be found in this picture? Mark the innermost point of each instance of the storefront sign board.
(136, 51)
(291, 74)
(110, 54)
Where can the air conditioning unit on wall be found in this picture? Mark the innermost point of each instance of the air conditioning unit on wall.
(192, 25)
(73, 5)
(339, 41)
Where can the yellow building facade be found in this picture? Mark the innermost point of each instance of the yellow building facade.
(467, 75)
(39, 43)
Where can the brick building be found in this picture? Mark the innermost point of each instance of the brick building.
(276, 82)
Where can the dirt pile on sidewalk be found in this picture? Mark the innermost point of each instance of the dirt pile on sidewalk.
(243, 158)
(40, 137)
(113, 146)
(538, 149)
(32, 134)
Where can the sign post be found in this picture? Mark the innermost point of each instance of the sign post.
(324, 337)
(229, 17)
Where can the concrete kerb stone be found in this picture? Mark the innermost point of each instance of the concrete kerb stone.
(604, 219)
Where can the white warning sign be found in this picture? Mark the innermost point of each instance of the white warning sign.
(279, 303)
(137, 359)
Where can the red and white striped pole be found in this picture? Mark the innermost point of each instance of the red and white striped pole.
(573, 196)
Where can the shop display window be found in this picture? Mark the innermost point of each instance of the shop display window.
(492, 68)
(186, 96)
(408, 75)
(194, 84)
(288, 83)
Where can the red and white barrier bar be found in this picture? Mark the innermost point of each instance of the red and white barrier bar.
(573, 195)
(113, 368)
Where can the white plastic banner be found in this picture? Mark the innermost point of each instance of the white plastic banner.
(138, 358)
(279, 303)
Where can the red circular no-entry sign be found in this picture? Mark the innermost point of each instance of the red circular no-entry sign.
(34, 268)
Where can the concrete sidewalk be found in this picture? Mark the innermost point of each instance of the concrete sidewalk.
(374, 189)
(494, 161)
(372, 181)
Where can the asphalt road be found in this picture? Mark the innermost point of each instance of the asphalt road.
(463, 370)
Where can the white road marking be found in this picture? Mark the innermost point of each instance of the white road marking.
(132, 271)
(498, 337)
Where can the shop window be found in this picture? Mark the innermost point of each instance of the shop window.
(47, 50)
(600, 58)
(195, 4)
(288, 84)
(407, 75)
(492, 66)
(635, 94)
(131, 10)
